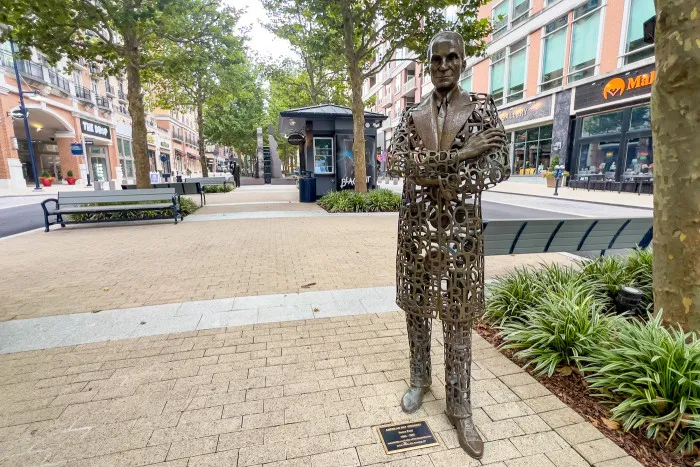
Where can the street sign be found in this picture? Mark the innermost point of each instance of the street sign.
(76, 149)
(296, 139)
(163, 158)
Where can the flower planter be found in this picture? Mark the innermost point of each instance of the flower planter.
(46, 182)
(70, 180)
(551, 182)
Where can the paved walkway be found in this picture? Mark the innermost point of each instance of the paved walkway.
(300, 393)
(240, 377)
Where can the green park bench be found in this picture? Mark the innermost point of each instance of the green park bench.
(506, 237)
(92, 202)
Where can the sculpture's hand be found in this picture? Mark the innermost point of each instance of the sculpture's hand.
(492, 139)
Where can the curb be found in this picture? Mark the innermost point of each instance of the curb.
(574, 200)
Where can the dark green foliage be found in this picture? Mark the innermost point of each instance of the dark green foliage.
(639, 265)
(380, 200)
(187, 205)
(218, 188)
(652, 375)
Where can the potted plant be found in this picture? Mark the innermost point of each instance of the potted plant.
(70, 178)
(46, 179)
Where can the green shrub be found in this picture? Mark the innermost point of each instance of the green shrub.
(351, 201)
(187, 205)
(652, 374)
(566, 324)
(610, 272)
(639, 265)
(218, 188)
(510, 296)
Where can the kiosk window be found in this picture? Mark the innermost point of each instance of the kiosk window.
(323, 156)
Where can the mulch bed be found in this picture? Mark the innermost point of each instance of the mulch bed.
(573, 391)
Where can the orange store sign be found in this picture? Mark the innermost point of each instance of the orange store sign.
(616, 87)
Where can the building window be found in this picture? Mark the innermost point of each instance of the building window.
(397, 84)
(498, 71)
(323, 156)
(466, 81)
(602, 124)
(508, 73)
(532, 150)
(516, 70)
(521, 10)
(77, 78)
(397, 109)
(584, 41)
(126, 158)
(95, 86)
(554, 52)
(500, 19)
(636, 49)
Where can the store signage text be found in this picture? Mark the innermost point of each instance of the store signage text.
(296, 139)
(616, 87)
(95, 129)
(165, 144)
(151, 139)
(347, 181)
(538, 108)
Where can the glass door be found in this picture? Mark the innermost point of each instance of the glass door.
(99, 168)
(639, 159)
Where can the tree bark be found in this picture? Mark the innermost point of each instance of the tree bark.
(139, 134)
(676, 130)
(358, 106)
(200, 134)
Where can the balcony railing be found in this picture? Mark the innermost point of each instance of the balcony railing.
(177, 136)
(409, 86)
(103, 102)
(31, 69)
(6, 59)
(386, 101)
(59, 81)
(121, 95)
(109, 88)
(83, 93)
(123, 109)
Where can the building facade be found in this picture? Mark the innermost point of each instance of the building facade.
(572, 81)
(77, 106)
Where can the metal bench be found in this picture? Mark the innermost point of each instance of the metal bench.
(505, 237)
(181, 188)
(160, 199)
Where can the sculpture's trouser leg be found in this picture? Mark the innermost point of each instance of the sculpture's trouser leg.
(458, 359)
(419, 328)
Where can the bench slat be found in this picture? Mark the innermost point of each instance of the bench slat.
(120, 207)
(117, 196)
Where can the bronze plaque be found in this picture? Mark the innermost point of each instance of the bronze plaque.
(406, 436)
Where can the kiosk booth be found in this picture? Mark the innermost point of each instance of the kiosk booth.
(324, 134)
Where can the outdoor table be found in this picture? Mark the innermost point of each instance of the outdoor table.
(639, 180)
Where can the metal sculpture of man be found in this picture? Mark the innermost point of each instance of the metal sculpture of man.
(449, 148)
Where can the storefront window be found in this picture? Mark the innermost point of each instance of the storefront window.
(126, 158)
(640, 157)
(532, 150)
(602, 124)
(516, 70)
(584, 41)
(323, 156)
(598, 158)
(554, 52)
(637, 49)
(640, 118)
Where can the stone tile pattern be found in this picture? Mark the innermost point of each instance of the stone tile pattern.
(89, 269)
(298, 393)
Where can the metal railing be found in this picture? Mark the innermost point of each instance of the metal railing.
(409, 85)
(103, 102)
(83, 93)
(123, 109)
(31, 69)
(6, 59)
(177, 136)
(59, 81)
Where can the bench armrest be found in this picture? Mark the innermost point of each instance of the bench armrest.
(43, 204)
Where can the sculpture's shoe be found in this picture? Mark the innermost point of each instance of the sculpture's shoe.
(468, 437)
(413, 399)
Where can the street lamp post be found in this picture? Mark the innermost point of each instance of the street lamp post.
(25, 116)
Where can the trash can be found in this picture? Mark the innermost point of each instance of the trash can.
(268, 179)
(178, 178)
(307, 189)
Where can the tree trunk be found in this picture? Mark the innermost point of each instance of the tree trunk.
(676, 130)
(139, 134)
(200, 133)
(358, 106)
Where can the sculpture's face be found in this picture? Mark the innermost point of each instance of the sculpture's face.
(446, 64)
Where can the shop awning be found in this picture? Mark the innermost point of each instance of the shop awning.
(192, 156)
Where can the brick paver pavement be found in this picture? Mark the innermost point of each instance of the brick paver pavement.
(88, 268)
(305, 393)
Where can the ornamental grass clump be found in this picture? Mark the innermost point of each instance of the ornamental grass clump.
(380, 200)
(611, 273)
(566, 325)
(510, 297)
(652, 376)
(639, 265)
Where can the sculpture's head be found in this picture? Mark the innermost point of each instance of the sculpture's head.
(447, 60)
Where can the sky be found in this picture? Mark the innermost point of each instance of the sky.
(262, 41)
